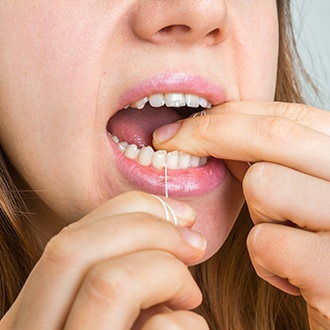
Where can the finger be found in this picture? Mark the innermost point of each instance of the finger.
(115, 291)
(275, 193)
(250, 138)
(292, 259)
(303, 114)
(176, 320)
(237, 169)
(67, 257)
(148, 313)
(136, 201)
(122, 234)
(317, 320)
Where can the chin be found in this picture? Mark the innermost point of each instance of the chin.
(217, 213)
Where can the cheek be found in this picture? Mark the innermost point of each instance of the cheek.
(49, 83)
(256, 53)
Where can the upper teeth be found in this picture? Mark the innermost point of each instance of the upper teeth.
(172, 100)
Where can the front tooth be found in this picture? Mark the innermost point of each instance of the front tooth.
(132, 151)
(194, 161)
(140, 104)
(145, 156)
(173, 160)
(184, 160)
(203, 102)
(192, 101)
(159, 159)
(172, 100)
(157, 100)
(175, 100)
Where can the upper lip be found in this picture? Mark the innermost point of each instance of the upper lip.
(177, 82)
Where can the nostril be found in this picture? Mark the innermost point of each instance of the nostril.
(187, 22)
(173, 29)
(184, 33)
(214, 34)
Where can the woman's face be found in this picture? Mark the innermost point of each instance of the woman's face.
(67, 67)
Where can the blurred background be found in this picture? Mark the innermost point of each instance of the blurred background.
(311, 20)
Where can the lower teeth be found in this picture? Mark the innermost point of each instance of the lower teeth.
(146, 156)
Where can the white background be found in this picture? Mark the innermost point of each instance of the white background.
(312, 27)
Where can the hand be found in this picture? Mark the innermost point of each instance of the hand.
(287, 188)
(120, 267)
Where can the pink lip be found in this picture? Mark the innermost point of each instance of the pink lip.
(175, 82)
(181, 183)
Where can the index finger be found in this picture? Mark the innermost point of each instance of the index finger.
(252, 138)
(303, 114)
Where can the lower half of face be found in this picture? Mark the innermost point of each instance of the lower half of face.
(62, 96)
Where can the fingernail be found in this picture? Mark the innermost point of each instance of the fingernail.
(182, 210)
(166, 132)
(193, 238)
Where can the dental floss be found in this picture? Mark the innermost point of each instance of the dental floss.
(199, 114)
(166, 181)
(175, 219)
(168, 210)
(167, 215)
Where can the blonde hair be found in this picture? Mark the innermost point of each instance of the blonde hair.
(234, 297)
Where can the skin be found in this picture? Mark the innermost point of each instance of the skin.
(287, 145)
(63, 67)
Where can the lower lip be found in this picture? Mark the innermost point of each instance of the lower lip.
(180, 183)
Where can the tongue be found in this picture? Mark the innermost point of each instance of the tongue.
(136, 126)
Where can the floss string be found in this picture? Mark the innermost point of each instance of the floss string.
(199, 114)
(166, 181)
(168, 210)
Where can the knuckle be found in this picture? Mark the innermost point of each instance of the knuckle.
(203, 128)
(258, 191)
(255, 241)
(298, 113)
(206, 131)
(255, 183)
(60, 250)
(109, 282)
(278, 130)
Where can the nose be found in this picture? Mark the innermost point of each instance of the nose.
(181, 21)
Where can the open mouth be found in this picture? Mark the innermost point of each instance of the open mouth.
(132, 127)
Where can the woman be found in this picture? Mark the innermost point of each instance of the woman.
(83, 86)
